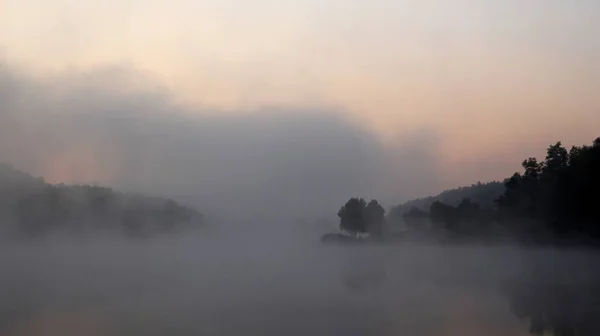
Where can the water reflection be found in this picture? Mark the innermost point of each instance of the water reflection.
(558, 292)
(190, 289)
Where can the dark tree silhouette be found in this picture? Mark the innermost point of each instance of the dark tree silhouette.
(352, 216)
(553, 200)
(356, 217)
(483, 194)
(560, 195)
(555, 301)
(375, 218)
(443, 216)
(416, 219)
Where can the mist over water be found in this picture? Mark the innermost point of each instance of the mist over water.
(250, 270)
(192, 157)
(222, 282)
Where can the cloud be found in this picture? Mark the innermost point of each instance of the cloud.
(113, 126)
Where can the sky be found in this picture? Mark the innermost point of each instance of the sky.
(391, 99)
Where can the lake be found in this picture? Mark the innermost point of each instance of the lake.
(286, 286)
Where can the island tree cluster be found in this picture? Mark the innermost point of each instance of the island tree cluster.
(357, 217)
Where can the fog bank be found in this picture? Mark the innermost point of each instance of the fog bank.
(227, 285)
(116, 127)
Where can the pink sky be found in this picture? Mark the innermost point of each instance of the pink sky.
(495, 80)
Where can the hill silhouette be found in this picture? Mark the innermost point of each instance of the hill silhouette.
(482, 194)
(31, 207)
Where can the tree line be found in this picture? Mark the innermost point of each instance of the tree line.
(31, 207)
(557, 198)
(484, 194)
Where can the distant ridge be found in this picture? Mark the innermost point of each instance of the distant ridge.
(31, 207)
(484, 194)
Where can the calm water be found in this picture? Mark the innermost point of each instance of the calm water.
(214, 286)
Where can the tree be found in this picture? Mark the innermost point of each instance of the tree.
(416, 219)
(443, 215)
(469, 214)
(356, 216)
(558, 194)
(352, 216)
(468, 210)
(375, 218)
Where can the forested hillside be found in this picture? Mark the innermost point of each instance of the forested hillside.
(553, 200)
(483, 194)
(30, 207)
